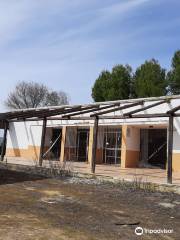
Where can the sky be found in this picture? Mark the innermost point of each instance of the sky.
(66, 44)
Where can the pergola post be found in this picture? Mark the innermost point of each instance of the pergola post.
(170, 149)
(3, 149)
(42, 141)
(95, 134)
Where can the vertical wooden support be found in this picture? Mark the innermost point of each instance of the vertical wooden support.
(124, 146)
(90, 144)
(95, 134)
(42, 141)
(170, 149)
(63, 142)
(3, 149)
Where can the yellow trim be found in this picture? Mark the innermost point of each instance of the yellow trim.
(176, 162)
(32, 152)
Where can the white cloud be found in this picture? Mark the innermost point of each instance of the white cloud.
(121, 7)
(53, 41)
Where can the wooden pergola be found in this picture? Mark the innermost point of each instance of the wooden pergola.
(96, 112)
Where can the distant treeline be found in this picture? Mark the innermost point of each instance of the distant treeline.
(149, 80)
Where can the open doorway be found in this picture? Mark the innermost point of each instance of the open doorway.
(55, 148)
(1, 141)
(112, 146)
(82, 144)
(153, 147)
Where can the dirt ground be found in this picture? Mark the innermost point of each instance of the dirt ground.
(35, 208)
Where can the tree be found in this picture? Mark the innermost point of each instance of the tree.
(54, 98)
(33, 95)
(149, 80)
(100, 89)
(113, 85)
(173, 76)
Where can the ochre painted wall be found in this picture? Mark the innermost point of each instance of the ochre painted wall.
(132, 159)
(99, 151)
(99, 156)
(176, 162)
(31, 153)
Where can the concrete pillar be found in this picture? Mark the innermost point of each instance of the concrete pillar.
(144, 147)
(123, 146)
(176, 148)
(63, 141)
(130, 147)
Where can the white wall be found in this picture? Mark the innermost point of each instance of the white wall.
(23, 134)
(176, 142)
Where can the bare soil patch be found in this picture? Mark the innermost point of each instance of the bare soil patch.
(39, 208)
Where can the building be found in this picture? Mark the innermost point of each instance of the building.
(129, 133)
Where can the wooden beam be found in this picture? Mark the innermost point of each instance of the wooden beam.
(117, 108)
(104, 107)
(94, 150)
(39, 113)
(71, 118)
(57, 112)
(144, 108)
(50, 118)
(45, 113)
(155, 115)
(173, 110)
(3, 148)
(21, 114)
(83, 110)
(170, 149)
(27, 112)
(42, 141)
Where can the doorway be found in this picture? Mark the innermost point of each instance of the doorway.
(82, 145)
(153, 147)
(112, 146)
(56, 142)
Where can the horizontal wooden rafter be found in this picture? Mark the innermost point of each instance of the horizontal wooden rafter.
(26, 113)
(39, 113)
(144, 108)
(104, 107)
(155, 115)
(55, 112)
(83, 111)
(74, 112)
(117, 108)
(163, 115)
(173, 110)
(43, 113)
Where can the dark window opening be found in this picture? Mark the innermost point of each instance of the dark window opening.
(82, 145)
(56, 142)
(154, 147)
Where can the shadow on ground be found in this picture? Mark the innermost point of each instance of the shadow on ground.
(9, 176)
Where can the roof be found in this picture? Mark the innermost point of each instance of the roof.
(98, 109)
